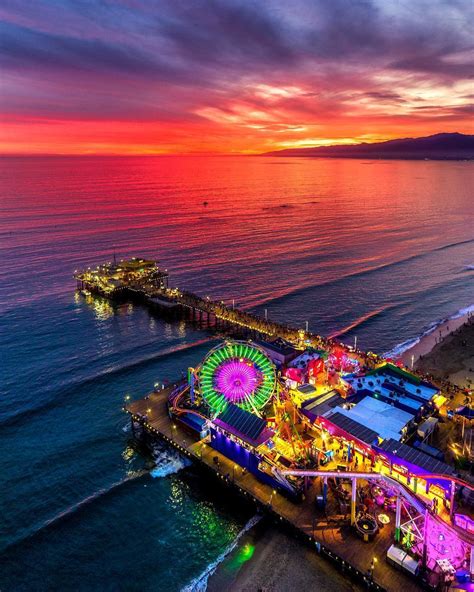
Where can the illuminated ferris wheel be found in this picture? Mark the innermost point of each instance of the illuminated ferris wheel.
(239, 373)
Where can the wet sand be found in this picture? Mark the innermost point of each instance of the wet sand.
(452, 358)
(270, 560)
(429, 342)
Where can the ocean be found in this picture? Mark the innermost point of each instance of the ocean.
(378, 250)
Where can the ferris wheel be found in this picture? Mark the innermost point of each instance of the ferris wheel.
(239, 373)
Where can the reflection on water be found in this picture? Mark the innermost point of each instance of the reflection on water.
(378, 252)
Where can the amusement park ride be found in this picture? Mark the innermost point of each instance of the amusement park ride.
(243, 406)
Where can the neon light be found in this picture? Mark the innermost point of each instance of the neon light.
(235, 379)
(238, 373)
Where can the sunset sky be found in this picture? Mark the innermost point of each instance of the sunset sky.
(131, 76)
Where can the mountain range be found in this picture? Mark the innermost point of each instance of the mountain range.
(453, 146)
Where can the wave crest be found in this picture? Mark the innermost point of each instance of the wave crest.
(402, 347)
(199, 584)
(168, 461)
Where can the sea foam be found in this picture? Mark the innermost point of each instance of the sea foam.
(199, 584)
(400, 348)
(168, 461)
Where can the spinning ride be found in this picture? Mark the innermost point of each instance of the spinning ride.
(239, 373)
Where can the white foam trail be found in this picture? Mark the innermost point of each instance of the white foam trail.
(469, 266)
(199, 584)
(402, 347)
(168, 461)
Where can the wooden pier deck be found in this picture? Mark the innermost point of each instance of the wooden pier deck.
(335, 541)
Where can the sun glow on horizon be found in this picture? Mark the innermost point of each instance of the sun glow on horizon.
(234, 79)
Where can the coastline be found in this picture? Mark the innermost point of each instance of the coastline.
(270, 560)
(452, 357)
(410, 351)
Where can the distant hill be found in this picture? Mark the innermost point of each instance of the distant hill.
(438, 147)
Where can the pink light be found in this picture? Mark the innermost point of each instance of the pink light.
(443, 543)
(236, 379)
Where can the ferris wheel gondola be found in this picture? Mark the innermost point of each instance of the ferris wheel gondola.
(237, 372)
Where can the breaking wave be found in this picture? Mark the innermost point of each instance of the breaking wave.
(199, 584)
(168, 461)
(367, 271)
(400, 348)
(361, 320)
(77, 507)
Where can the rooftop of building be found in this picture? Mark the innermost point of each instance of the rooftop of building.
(411, 381)
(386, 419)
(416, 457)
(279, 345)
(243, 424)
(395, 384)
(353, 427)
(321, 404)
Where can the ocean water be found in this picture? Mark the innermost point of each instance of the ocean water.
(373, 249)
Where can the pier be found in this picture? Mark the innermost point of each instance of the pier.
(313, 431)
(332, 538)
(144, 282)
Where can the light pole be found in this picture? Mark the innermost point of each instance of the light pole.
(266, 314)
(372, 567)
(307, 326)
(355, 342)
(271, 497)
(412, 361)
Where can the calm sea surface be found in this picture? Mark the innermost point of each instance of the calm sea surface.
(373, 249)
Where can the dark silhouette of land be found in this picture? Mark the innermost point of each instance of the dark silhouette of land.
(453, 146)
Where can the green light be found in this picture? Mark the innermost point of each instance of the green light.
(244, 352)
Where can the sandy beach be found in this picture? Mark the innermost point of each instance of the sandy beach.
(452, 357)
(270, 560)
(439, 336)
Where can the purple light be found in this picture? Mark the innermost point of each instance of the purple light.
(444, 543)
(236, 379)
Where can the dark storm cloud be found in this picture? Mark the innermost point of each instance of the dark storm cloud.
(157, 59)
(225, 33)
(437, 64)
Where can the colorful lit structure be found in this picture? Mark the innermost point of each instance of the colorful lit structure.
(237, 373)
(111, 278)
(248, 412)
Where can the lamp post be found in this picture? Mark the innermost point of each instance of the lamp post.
(307, 326)
(372, 567)
(271, 497)
(355, 342)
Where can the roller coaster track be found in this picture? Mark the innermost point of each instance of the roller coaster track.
(418, 503)
(174, 401)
